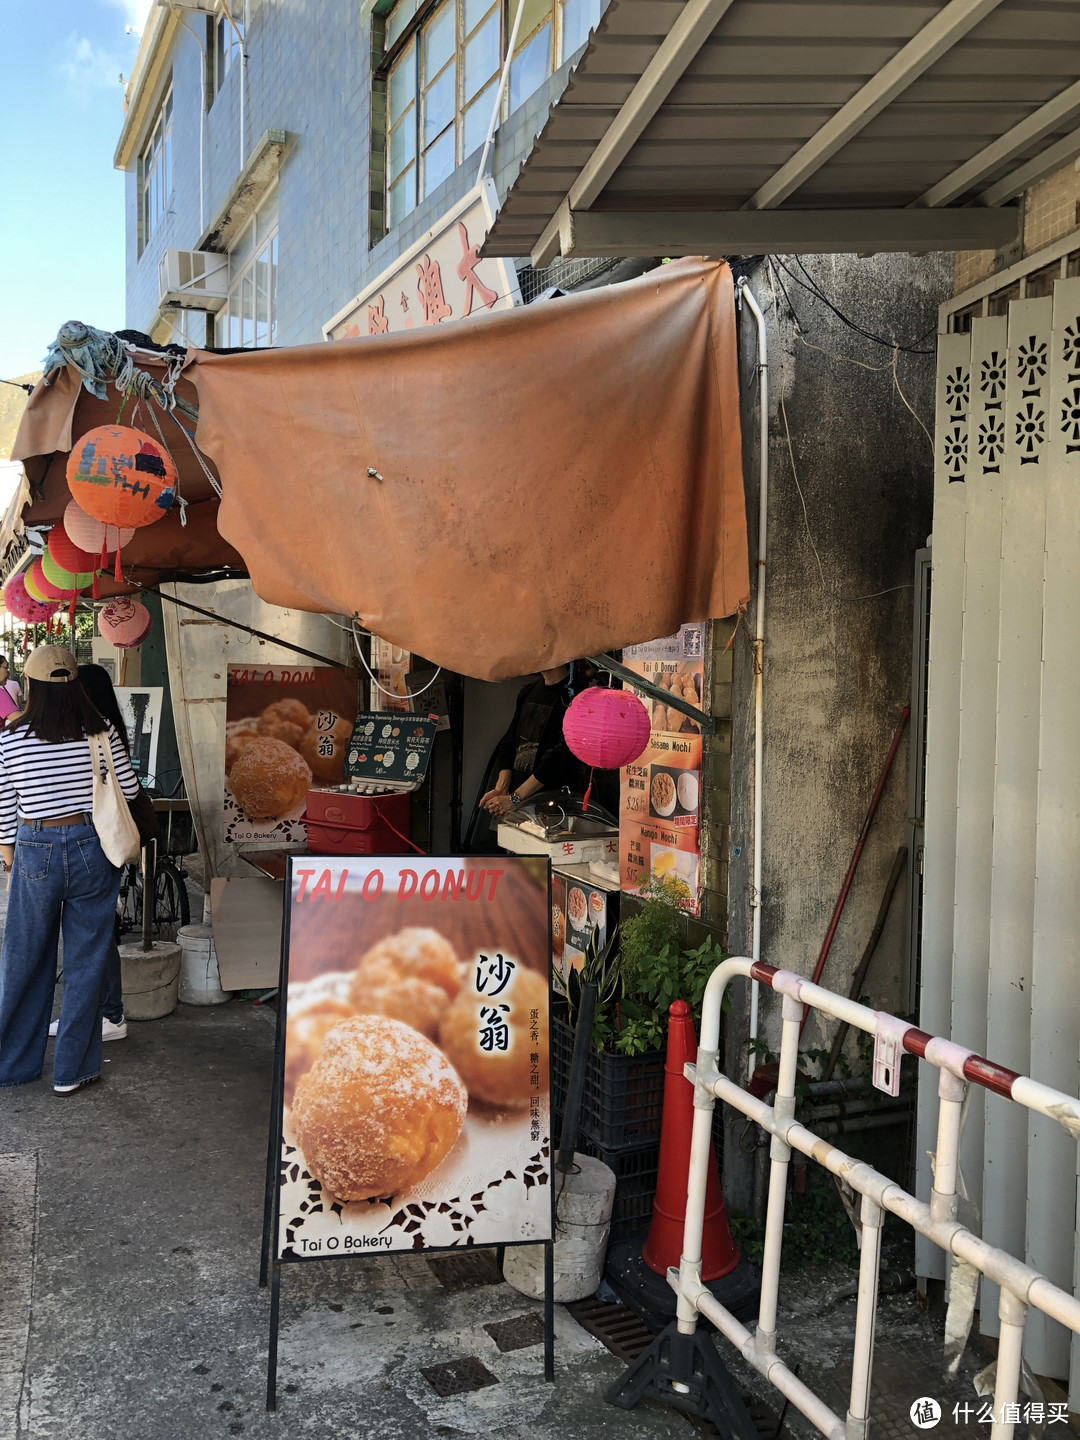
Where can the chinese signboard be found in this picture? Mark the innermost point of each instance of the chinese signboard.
(440, 278)
(286, 731)
(660, 794)
(414, 1055)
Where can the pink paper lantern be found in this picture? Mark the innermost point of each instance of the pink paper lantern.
(124, 622)
(606, 728)
(90, 534)
(18, 602)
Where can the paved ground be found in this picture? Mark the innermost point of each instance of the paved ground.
(130, 1218)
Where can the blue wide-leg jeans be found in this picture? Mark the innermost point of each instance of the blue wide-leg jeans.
(61, 880)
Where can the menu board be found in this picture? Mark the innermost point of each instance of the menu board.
(413, 1055)
(660, 794)
(578, 909)
(286, 730)
(390, 748)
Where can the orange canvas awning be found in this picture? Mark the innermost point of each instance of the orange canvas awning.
(503, 493)
(499, 494)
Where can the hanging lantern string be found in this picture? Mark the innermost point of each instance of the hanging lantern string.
(161, 436)
(215, 484)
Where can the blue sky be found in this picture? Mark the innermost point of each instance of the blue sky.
(62, 216)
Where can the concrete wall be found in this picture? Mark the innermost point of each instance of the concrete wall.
(839, 622)
(308, 74)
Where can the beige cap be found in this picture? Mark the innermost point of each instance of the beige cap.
(51, 662)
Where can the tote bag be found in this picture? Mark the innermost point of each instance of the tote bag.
(113, 821)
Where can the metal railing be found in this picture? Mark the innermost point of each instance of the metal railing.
(1021, 1286)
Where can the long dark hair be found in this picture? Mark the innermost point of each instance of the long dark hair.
(56, 711)
(97, 682)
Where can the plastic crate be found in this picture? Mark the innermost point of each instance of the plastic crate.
(623, 1097)
(636, 1168)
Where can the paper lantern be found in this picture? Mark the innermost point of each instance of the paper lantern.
(64, 579)
(68, 555)
(19, 602)
(124, 622)
(38, 584)
(606, 728)
(91, 535)
(122, 476)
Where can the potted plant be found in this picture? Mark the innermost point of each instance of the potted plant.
(641, 969)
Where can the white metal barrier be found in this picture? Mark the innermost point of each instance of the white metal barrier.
(1021, 1286)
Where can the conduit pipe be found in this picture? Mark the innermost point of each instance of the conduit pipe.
(746, 295)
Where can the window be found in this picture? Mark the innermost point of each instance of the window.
(443, 76)
(249, 317)
(224, 50)
(155, 173)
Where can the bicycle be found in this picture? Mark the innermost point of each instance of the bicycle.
(172, 906)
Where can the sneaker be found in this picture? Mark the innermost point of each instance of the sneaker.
(79, 1085)
(109, 1031)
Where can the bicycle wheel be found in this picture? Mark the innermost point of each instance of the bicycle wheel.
(172, 908)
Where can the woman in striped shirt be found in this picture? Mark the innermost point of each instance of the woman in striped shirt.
(60, 877)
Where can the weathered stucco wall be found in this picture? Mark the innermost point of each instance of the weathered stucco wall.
(839, 621)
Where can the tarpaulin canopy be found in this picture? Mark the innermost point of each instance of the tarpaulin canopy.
(59, 412)
(499, 494)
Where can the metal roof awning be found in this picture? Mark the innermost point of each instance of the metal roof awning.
(761, 126)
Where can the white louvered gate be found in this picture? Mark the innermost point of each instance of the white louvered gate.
(1001, 907)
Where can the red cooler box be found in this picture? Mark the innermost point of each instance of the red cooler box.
(342, 824)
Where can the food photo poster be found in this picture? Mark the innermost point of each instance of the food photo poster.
(414, 1055)
(660, 794)
(287, 729)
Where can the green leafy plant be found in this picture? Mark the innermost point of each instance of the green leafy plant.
(637, 985)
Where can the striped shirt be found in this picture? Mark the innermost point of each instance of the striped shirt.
(39, 781)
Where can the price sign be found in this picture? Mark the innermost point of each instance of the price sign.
(390, 747)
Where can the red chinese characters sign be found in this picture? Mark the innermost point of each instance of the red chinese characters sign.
(441, 278)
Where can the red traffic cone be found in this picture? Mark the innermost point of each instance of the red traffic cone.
(663, 1248)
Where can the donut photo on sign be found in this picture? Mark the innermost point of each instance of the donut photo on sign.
(414, 1045)
(286, 732)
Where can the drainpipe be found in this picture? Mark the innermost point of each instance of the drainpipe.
(745, 295)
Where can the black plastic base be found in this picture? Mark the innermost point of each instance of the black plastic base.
(685, 1371)
(653, 1300)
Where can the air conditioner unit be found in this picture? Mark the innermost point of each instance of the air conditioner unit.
(193, 279)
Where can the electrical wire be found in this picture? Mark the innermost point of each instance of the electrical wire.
(812, 287)
(409, 694)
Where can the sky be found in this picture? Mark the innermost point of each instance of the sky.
(61, 202)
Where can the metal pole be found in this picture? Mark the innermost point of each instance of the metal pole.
(780, 1154)
(1013, 1313)
(858, 1418)
(578, 1065)
(149, 868)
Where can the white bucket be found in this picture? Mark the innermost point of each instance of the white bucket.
(200, 982)
(583, 1209)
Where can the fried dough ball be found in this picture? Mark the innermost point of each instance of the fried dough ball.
(292, 712)
(500, 1077)
(269, 779)
(378, 1110)
(417, 952)
(237, 738)
(312, 743)
(304, 1036)
(405, 998)
(284, 720)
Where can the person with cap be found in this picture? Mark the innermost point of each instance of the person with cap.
(60, 878)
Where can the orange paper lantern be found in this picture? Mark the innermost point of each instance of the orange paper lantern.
(122, 476)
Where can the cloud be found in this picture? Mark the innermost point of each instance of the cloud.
(88, 66)
(134, 12)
